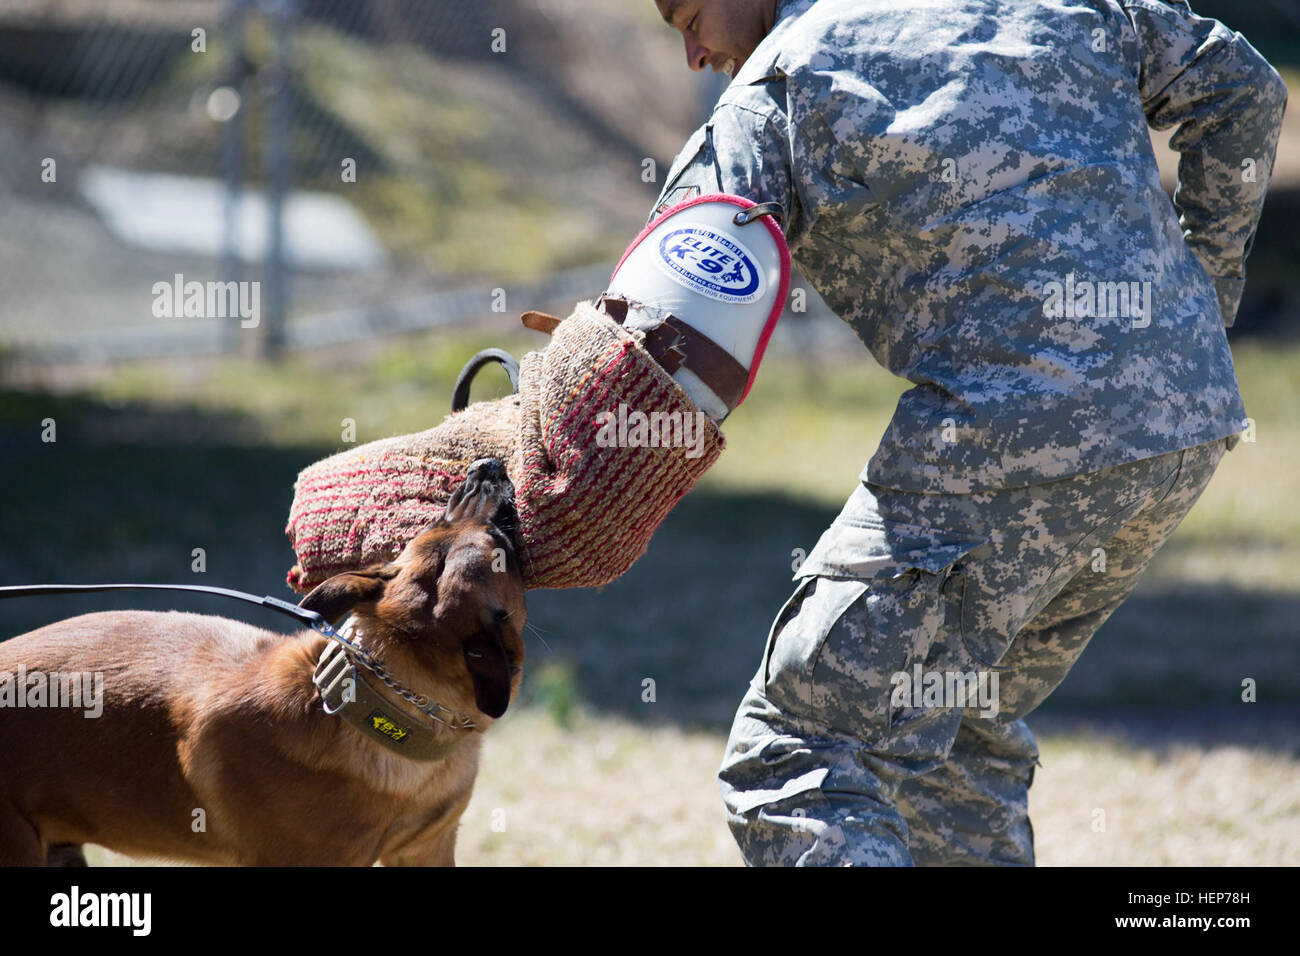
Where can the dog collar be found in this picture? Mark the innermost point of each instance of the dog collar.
(347, 694)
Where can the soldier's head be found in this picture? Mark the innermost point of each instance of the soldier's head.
(719, 33)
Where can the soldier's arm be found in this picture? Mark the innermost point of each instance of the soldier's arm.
(743, 150)
(1227, 103)
(707, 307)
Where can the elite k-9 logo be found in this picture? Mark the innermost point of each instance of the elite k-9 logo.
(711, 264)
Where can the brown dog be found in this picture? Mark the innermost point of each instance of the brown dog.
(213, 744)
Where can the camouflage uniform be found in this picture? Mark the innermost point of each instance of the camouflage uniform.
(972, 188)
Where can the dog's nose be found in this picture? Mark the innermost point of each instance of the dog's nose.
(485, 487)
(486, 469)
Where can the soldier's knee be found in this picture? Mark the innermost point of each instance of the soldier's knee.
(798, 796)
(837, 652)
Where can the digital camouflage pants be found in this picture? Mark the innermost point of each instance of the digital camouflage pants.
(852, 744)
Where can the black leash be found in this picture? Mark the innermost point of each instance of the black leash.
(300, 614)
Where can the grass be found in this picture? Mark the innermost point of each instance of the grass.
(615, 792)
(648, 797)
(155, 459)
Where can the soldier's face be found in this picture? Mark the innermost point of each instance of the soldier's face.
(719, 33)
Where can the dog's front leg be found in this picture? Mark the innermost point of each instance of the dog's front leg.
(435, 845)
(65, 854)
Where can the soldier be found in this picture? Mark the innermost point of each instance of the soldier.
(972, 188)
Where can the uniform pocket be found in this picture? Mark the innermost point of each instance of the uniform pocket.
(860, 544)
(817, 606)
(788, 610)
(838, 642)
(903, 619)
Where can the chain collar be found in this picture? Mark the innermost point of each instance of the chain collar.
(454, 719)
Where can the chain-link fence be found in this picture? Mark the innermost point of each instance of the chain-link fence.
(203, 175)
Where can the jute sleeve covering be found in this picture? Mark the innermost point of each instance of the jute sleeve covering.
(588, 506)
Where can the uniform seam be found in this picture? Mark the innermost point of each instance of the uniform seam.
(1177, 476)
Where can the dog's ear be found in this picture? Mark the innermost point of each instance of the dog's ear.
(489, 668)
(340, 594)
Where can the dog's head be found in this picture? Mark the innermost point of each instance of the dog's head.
(452, 603)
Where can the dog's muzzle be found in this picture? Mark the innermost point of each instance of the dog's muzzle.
(487, 494)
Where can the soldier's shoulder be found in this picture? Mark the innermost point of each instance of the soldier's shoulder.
(808, 38)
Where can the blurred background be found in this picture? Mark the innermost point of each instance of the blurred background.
(402, 179)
